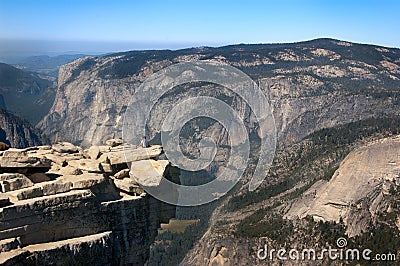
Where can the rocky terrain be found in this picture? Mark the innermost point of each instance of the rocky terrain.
(335, 105)
(63, 205)
(18, 133)
(338, 182)
(357, 191)
(307, 84)
(25, 94)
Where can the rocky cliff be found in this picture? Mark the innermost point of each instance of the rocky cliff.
(18, 133)
(358, 191)
(327, 97)
(308, 85)
(25, 94)
(335, 183)
(62, 205)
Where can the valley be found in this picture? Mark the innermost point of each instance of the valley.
(336, 107)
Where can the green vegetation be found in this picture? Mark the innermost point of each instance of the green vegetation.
(316, 157)
(176, 226)
(25, 94)
(329, 146)
(170, 247)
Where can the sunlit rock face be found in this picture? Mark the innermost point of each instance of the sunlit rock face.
(309, 85)
(79, 207)
(356, 192)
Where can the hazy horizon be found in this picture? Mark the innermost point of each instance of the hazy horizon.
(27, 48)
(96, 27)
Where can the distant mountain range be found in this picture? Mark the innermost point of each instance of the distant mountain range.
(27, 91)
(44, 64)
(309, 85)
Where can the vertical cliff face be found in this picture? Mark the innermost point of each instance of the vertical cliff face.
(63, 205)
(91, 108)
(25, 94)
(358, 191)
(18, 133)
(310, 85)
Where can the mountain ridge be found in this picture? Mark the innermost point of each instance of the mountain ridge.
(18, 133)
(25, 94)
(284, 74)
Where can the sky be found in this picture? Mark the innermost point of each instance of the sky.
(113, 25)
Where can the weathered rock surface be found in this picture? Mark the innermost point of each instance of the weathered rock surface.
(19, 159)
(93, 152)
(3, 146)
(76, 212)
(122, 174)
(129, 154)
(86, 165)
(10, 182)
(114, 142)
(356, 192)
(128, 185)
(65, 147)
(308, 84)
(14, 132)
(148, 173)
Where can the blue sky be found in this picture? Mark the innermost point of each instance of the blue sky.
(122, 25)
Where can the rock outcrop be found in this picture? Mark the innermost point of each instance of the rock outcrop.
(357, 191)
(62, 205)
(18, 133)
(308, 84)
(25, 94)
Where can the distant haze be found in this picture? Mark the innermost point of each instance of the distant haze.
(103, 26)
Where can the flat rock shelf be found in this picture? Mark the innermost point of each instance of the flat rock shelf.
(64, 205)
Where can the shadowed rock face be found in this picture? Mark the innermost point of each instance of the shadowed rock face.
(25, 93)
(310, 85)
(356, 192)
(57, 204)
(18, 133)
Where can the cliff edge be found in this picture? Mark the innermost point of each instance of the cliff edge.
(62, 205)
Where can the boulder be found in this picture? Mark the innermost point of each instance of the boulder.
(9, 176)
(55, 187)
(68, 170)
(86, 165)
(60, 160)
(93, 152)
(128, 185)
(65, 147)
(26, 193)
(84, 181)
(11, 182)
(15, 153)
(3, 146)
(122, 174)
(47, 211)
(131, 155)
(148, 172)
(114, 142)
(24, 162)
